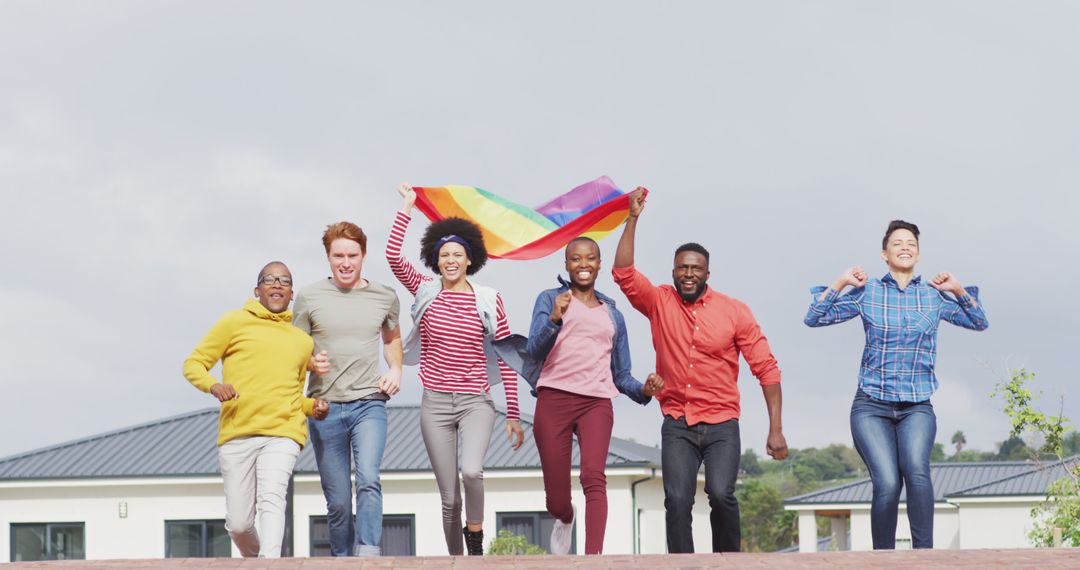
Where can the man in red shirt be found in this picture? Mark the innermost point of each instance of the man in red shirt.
(698, 335)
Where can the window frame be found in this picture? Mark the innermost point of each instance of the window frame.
(48, 528)
(204, 543)
(537, 517)
(406, 517)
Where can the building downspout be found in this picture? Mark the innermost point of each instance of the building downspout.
(634, 512)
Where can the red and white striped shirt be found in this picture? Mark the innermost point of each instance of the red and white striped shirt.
(452, 355)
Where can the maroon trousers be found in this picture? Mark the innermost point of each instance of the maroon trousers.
(560, 416)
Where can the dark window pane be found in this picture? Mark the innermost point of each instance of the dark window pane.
(185, 539)
(535, 527)
(67, 543)
(219, 544)
(28, 543)
(320, 537)
(522, 525)
(397, 536)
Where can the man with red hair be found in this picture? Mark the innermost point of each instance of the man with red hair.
(349, 318)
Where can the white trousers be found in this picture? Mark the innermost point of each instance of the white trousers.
(256, 471)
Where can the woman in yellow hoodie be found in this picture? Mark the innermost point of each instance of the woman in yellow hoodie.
(262, 427)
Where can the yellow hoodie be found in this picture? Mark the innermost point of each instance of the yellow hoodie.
(265, 359)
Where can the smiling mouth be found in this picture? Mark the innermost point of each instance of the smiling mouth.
(584, 274)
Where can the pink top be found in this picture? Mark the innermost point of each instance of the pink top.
(452, 355)
(580, 360)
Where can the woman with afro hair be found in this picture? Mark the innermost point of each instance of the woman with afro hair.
(455, 322)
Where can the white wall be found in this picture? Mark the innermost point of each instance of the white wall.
(995, 525)
(150, 502)
(140, 535)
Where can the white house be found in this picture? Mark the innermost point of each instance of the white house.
(977, 505)
(154, 490)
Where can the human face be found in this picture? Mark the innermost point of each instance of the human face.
(275, 289)
(453, 262)
(691, 274)
(901, 251)
(346, 259)
(583, 264)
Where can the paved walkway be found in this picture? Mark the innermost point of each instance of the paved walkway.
(1042, 559)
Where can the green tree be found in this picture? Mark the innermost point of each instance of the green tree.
(972, 455)
(1014, 449)
(507, 544)
(937, 453)
(750, 464)
(959, 441)
(766, 526)
(1070, 444)
(1060, 512)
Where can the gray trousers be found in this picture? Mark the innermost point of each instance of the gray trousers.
(444, 417)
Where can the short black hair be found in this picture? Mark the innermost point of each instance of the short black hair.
(694, 247)
(262, 272)
(461, 228)
(899, 225)
(580, 239)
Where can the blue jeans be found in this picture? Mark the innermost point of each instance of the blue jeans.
(682, 450)
(353, 431)
(894, 439)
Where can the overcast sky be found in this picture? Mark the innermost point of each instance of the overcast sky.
(153, 155)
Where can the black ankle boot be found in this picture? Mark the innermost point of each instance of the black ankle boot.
(474, 542)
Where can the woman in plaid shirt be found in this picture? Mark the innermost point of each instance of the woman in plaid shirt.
(892, 421)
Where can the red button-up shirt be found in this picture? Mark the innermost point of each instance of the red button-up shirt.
(698, 346)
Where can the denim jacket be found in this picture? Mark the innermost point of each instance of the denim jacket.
(486, 307)
(527, 355)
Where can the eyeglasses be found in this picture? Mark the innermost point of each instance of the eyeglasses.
(269, 280)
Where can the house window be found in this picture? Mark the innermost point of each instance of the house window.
(398, 536)
(48, 541)
(197, 539)
(534, 526)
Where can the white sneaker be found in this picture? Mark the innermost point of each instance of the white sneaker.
(562, 534)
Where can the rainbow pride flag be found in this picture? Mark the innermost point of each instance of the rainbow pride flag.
(513, 231)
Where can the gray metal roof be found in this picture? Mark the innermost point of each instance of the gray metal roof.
(185, 445)
(1031, 483)
(947, 478)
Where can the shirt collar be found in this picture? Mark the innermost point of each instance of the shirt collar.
(703, 300)
(888, 278)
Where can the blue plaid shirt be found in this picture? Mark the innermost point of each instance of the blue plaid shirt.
(901, 332)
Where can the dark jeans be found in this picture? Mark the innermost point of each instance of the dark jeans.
(683, 448)
(895, 440)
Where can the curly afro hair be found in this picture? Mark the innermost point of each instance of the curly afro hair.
(462, 228)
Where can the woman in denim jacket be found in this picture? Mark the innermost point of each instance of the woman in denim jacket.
(576, 359)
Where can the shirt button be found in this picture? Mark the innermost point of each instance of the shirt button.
(696, 328)
(687, 385)
(691, 366)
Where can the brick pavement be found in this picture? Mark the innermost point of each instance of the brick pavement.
(1042, 559)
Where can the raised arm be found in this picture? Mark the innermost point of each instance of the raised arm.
(624, 255)
(546, 322)
(827, 306)
(404, 271)
(965, 311)
(637, 288)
